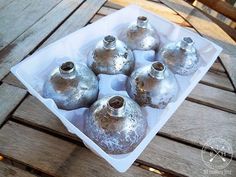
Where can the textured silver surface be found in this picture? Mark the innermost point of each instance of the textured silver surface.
(140, 35)
(111, 56)
(153, 85)
(181, 57)
(116, 124)
(71, 86)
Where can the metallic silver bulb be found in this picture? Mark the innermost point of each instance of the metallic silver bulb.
(116, 124)
(71, 86)
(111, 56)
(140, 35)
(181, 58)
(153, 85)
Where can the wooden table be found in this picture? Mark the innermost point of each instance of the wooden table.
(33, 142)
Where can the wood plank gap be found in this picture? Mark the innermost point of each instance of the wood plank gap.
(188, 143)
(25, 43)
(11, 97)
(75, 140)
(25, 28)
(171, 173)
(56, 28)
(36, 171)
(8, 170)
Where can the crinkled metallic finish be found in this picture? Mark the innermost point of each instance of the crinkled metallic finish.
(153, 85)
(111, 56)
(140, 35)
(71, 86)
(182, 57)
(116, 124)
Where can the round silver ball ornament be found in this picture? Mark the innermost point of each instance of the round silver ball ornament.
(140, 35)
(116, 124)
(181, 58)
(71, 86)
(153, 85)
(111, 56)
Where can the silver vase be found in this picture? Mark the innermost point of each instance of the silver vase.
(71, 86)
(181, 57)
(153, 85)
(140, 35)
(111, 56)
(116, 124)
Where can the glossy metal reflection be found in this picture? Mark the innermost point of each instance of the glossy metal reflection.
(116, 124)
(71, 86)
(182, 57)
(111, 56)
(140, 35)
(153, 85)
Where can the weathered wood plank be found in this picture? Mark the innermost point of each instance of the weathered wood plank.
(222, 7)
(195, 124)
(12, 80)
(211, 31)
(61, 158)
(55, 156)
(33, 112)
(168, 155)
(192, 123)
(27, 41)
(157, 8)
(218, 80)
(218, 67)
(113, 5)
(19, 16)
(4, 3)
(10, 97)
(214, 97)
(7, 170)
(151, 6)
(79, 19)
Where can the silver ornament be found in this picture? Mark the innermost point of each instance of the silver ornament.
(181, 57)
(140, 35)
(116, 124)
(71, 86)
(111, 56)
(153, 85)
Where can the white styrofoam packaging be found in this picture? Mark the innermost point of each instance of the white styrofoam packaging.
(34, 70)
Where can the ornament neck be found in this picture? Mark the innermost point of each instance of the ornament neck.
(109, 42)
(67, 70)
(157, 70)
(142, 22)
(116, 106)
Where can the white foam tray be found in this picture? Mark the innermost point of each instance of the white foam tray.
(34, 70)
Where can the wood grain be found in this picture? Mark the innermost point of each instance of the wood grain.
(222, 7)
(218, 80)
(7, 170)
(79, 19)
(10, 97)
(187, 124)
(157, 8)
(214, 97)
(15, 18)
(55, 156)
(34, 113)
(12, 80)
(195, 124)
(32, 37)
(211, 31)
(174, 157)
